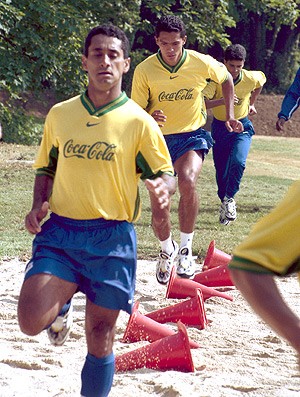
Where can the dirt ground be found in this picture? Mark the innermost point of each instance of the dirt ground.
(268, 106)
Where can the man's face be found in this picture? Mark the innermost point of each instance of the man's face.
(105, 63)
(234, 67)
(170, 45)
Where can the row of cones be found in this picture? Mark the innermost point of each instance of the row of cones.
(167, 349)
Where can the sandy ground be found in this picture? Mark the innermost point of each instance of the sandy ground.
(238, 355)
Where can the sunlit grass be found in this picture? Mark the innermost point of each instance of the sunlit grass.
(273, 164)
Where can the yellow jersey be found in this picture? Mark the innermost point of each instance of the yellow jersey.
(177, 90)
(97, 157)
(247, 82)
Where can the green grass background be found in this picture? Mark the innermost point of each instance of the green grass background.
(273, 164)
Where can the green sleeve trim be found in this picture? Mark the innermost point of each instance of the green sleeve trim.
(137, 205)
(50, 168)
(244, 264)
(143, 168)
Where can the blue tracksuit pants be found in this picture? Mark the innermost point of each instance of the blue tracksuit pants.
(230, 151)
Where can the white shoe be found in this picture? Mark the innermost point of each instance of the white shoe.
(222, 218)
(60, 329)
(165, 264)
(186, 264)
(230, 208)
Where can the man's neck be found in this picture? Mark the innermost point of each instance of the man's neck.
(102, 98)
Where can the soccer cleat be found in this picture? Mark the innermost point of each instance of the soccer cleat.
(60, 329)
(165, 264)
(229, 208)
(185, 263)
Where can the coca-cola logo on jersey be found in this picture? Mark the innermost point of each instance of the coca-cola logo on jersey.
(181, 95)
(98, 150)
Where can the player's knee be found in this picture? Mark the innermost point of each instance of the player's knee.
(28, 326)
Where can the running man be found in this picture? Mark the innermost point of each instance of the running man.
(231, 149)
(94, 150)
(169, 86)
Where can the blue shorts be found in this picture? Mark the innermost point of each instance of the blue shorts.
(97, 255)
(178, 144)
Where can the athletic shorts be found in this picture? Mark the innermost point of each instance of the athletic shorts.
(273, 245)
(178, 144)
(97, 255)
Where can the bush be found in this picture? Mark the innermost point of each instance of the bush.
(19, 127)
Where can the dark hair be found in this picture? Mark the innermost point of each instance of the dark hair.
(170, 23)
(235, 52)
(110, 31)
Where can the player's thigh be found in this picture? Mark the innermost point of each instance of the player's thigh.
(189, 165)
(42, 295)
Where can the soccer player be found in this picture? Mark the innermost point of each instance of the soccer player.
(290, 103)
(231, 149)
(272, 249)
(94, 150)
(169, 86)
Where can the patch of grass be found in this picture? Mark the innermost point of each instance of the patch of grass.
(273, 164)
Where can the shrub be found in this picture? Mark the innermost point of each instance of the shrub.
(19, 127)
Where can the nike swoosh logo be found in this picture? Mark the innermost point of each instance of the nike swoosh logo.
(88, 124)
(173, 77)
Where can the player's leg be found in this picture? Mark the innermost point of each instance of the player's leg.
(41, 298)
(188, 168)
(240, 150)
(221, 155)
(98, 370)
(223, 143)
(261, 292)
(161, 225)
(109, 282)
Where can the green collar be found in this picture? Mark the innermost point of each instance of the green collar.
(172, 69)
(88, 104)
(238, 79)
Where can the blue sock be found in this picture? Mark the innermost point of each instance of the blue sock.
(97, 375)
(62, 312)
(65, 308)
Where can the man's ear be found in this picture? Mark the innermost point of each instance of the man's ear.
(84, 63)
(127, 62)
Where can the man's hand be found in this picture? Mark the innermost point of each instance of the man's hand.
(159, 117)
(280, 124)
(234, 125)
(252, 110)
(160, 190)
(35, 216)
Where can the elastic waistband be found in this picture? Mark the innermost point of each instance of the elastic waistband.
(242, 120)
(186, 134)
(84, 223)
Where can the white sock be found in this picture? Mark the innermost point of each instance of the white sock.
(186, 240)
(167, 245)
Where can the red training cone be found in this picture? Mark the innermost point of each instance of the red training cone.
(169, 353)
(140, 327)
(180, 288)
(215, 277)
(189, 312)
(215, 257)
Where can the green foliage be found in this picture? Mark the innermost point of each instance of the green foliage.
(270, 31)
(20, 128)
(41, 41)
(205, 21)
